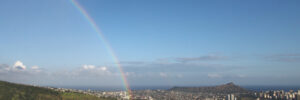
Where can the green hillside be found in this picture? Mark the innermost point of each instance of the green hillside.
(12, 91)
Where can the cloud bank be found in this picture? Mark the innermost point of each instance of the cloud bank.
(137, 73)
(202, 70)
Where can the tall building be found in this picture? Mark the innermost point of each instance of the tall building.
(231, 97)
(297, 96)
(228, 97)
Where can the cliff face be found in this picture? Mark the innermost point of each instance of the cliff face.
(226, 88)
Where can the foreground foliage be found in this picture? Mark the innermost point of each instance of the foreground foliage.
(11, 91)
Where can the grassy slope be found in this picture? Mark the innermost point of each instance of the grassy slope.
(11, 91)
(79, 96)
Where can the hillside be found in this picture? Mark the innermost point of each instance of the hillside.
(12, 91)
(226, 88)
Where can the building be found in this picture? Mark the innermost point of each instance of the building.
(297, 96)
(231, 97)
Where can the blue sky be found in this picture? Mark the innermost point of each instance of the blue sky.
(169, 42)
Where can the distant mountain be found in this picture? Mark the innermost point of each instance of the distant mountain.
(12, 91)
(226, 88)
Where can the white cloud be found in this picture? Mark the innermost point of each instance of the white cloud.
(92, 70)
(132, 74)
(163, 74)
(241, 76)
(202, 58)
(95, 69)
(4, 67)
(179, 76)
(19, 66)
(214, 76)
(87, 67)
(103, 68)
(35, 67)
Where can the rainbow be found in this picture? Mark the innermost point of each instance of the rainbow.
(105, 42)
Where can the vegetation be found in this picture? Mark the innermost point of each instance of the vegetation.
(12, 91)
(80, 96)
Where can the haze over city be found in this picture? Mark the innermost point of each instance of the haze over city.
(156, 42)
